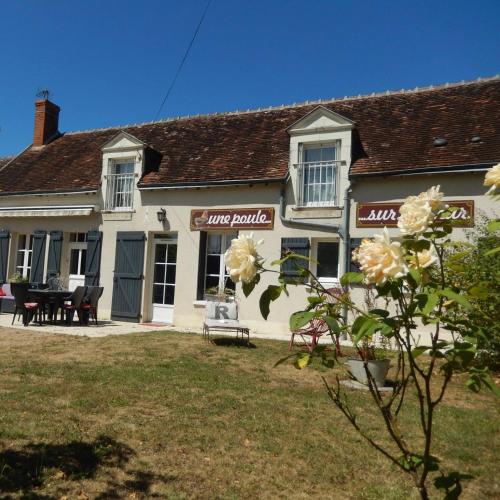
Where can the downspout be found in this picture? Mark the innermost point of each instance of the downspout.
(342, 230)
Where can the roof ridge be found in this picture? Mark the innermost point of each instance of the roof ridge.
(386, 93)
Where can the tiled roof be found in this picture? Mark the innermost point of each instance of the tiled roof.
(393, 133)
(4, 160)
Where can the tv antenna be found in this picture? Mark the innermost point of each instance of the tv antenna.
(43, 94)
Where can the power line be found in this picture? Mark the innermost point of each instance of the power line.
(183, 59)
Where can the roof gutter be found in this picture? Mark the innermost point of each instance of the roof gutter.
(45, 193)
(480, 167)
(186, 185)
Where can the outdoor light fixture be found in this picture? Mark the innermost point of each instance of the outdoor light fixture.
(162, 215)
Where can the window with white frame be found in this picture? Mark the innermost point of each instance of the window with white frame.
(327, 261)
(317, 175)
(217, 279)
(120, 185)
(24, 255)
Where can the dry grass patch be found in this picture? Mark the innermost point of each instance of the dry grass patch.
(166, 415)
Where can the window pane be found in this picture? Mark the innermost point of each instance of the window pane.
(159, 275)
(30, 241)
(82, 237)
(328, 154)
(328, 259)
(211, 282)
(20, 258)
(169, 295)
(72, 237)
(229, 238)
(160, 253)
(172, 254)
(22, 242)
(213, 264)
(82, 261)
(124, 168)
(157, 294)
(73, 261)
(214, 243)
(171, 274)
(312, 154)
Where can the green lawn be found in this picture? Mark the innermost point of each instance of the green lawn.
(166, 415)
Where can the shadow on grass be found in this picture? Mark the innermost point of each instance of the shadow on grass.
(31, 466)
(233, 342)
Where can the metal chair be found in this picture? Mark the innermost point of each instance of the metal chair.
(310, 334)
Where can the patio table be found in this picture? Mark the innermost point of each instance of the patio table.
(53, 298)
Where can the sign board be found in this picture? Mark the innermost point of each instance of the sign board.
(386, 214)
(232, 218)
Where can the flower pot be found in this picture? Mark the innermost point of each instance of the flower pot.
(378, 369)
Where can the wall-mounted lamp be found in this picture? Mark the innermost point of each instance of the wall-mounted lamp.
(162, 215)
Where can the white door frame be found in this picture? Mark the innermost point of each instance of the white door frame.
(76, 279)
(162, 313)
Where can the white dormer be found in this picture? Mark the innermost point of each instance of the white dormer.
(122, 166)
(320, 156)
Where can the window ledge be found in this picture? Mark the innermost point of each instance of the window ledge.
(199, 303)
(304, 208)
(117, 215)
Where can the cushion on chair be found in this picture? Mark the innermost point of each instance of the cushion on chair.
(2, 293)
(31, 305)
(221, 311)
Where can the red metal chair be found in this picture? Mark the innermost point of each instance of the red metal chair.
(310, 334)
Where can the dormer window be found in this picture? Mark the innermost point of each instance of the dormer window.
(320, 156)
(317, 175)
(120, 185)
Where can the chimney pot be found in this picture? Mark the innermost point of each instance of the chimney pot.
(46, 122)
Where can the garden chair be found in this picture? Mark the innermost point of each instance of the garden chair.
(91, 301)
(75, 305)
(310, 334)
(223, 317)
(22, 304)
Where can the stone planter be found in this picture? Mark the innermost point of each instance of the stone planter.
(378, 369)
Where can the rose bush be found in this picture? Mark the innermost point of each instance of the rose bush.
(411, 274)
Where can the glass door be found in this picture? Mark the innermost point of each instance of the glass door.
(77, 258)
(164, 271)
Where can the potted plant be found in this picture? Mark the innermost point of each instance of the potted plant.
(215, 294)
(371, 359)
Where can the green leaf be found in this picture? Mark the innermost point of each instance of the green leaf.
(479, 291)
(459, 299)
(417, 351)
(492, 251)
(248, 287)
(427, 302)
(380, 312)
(493, 225)
(303, 359)
(270, 294)
(300, 318)
(333, 324)
(351, 278)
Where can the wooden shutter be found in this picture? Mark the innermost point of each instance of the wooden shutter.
(202, 259)
(299, 246)
(354, 243)
(54, 258)
(38, 256)
(93, 260)
(4, 255)
(128, 276)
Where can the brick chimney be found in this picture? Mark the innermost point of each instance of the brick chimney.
(46, 122)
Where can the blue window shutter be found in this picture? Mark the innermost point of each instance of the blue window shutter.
(93, 260)
(54, 258)
(38, 256)
(300, 246)
(4, 255)
(202, 258)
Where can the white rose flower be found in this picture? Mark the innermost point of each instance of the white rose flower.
(242, 258)
(415, 215)
(435, 198)
(492, 178)
(380, 259)
(423, 259)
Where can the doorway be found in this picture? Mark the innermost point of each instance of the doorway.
(164, 272)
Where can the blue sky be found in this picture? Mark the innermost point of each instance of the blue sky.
(110, 62)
